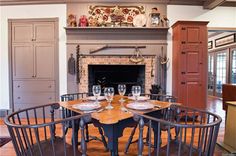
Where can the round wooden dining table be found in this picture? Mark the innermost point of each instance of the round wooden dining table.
(114, 121)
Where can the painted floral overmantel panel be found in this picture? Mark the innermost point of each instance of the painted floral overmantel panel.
(115, 15)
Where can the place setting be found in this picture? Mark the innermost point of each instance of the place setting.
(92, 104)
(140, 102)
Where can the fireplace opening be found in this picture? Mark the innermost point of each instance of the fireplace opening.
(112, 75)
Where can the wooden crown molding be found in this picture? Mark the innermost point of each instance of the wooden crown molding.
(207, 4)
(174, 2)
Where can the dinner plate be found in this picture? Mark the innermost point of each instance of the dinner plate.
(140, 98)
(140, 106)
(87, 106)
(92, 98)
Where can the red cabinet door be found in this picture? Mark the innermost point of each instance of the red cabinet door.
(192, 64)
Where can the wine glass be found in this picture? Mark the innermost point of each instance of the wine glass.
(96, 92)
(109, 93)
(136, 91)
(122, 90)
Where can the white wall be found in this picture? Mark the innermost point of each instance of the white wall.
(218, 17)
(30, 11)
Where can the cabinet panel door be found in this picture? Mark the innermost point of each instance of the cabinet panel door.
(193, 63)
(194, 97)
(22, 61)
(192, 67)
(44, 61)
(44, 32)
(193, 34)
(22, 32)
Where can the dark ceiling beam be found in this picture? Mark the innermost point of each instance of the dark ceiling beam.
(229, 4)
(185, 2)
(211, 4)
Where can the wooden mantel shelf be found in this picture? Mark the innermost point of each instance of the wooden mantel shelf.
(118, 30)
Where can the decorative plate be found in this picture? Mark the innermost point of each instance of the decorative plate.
(92, 98)
(140, 106)
(140, 20)
(86, 106)
(140, 98)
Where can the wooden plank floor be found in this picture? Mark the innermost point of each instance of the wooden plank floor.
(96, 147)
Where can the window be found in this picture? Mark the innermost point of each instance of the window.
(220, 71)
(233, 67)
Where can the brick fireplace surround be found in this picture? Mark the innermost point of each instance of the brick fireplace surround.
(115, 60)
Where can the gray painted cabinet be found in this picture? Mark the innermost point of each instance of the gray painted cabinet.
(33, 61)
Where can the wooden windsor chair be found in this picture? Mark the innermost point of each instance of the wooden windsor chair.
(164, 113)
(69, 113)
(37, 131)
(196, 137)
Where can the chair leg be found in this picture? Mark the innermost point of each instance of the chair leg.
(103, 138)
(76, 131)
(86, 133)
(147, 136)
(130, 139)
(176, 133)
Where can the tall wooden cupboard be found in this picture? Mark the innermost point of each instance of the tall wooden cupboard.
(189, 74)
(33, 62)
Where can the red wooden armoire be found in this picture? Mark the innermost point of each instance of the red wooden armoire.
(189, 74)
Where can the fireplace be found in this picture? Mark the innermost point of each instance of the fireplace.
(112, 75)
(95, 67)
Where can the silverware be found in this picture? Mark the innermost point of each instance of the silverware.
(157, 106)
(92, 111)
(100, 110)
(125, 110)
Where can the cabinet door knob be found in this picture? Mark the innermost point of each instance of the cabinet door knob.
(50, 86)
(18, 97)
(18, 86)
